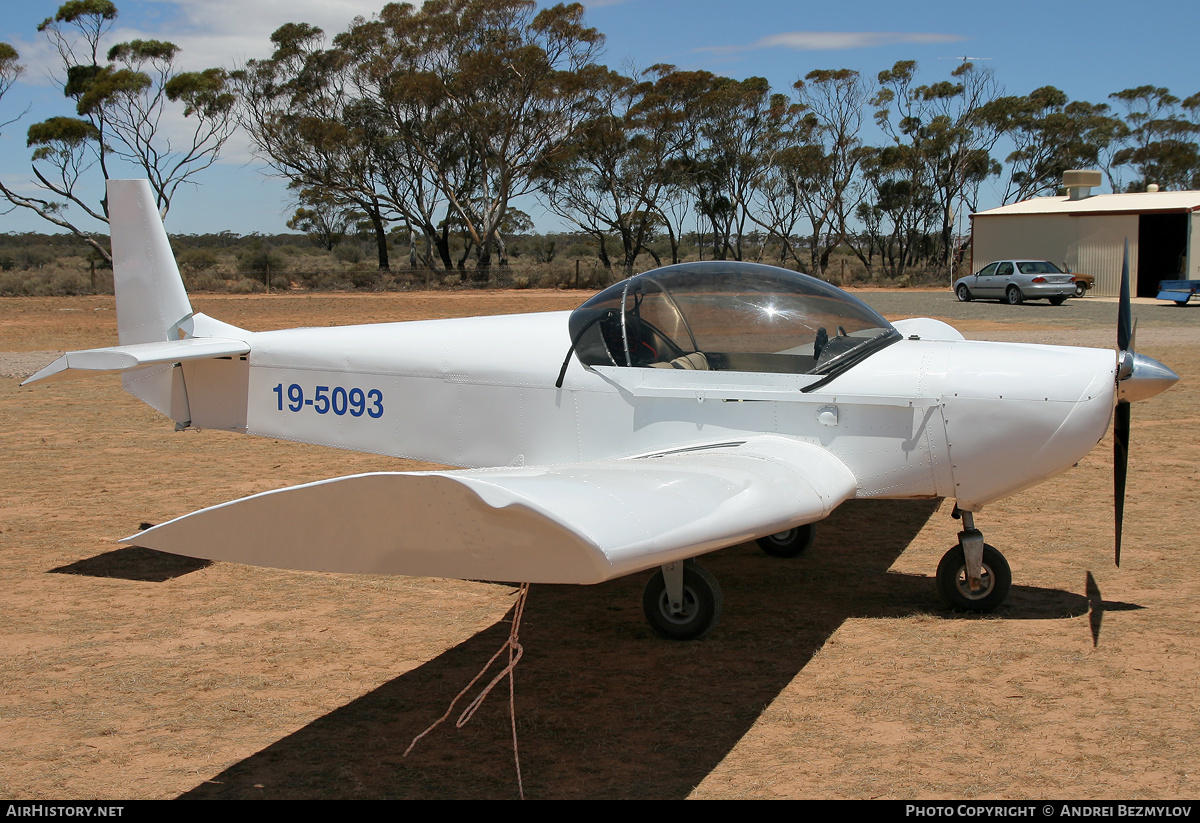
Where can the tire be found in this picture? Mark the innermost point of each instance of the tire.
(789, 543)
(1181, 302)
(1057, 301)
(1080, 289)
(1013, 296)
(964, 294)
(702, 601)
(952, 580)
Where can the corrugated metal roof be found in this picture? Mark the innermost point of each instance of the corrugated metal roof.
(1103, 203)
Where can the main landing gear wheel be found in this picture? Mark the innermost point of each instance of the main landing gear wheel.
(789, 543)
(995, 576)
(964, 294)
(1013, 296)
(699, 611)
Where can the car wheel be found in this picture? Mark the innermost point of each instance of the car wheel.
(1080, 289)
(1014, 296)
(1058, 301)
(964, 294)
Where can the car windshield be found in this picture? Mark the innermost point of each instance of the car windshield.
(727, 316)
(1038, 267)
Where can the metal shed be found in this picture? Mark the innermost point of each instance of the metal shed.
(1087, 234)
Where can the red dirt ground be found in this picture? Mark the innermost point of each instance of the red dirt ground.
(133, 674)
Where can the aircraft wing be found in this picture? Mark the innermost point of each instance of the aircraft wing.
(576, 523)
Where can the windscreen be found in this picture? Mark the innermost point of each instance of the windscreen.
(727, 316)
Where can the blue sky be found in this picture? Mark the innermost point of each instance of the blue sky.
(1087, 49)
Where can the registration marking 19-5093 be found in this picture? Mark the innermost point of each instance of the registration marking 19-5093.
(354, 401)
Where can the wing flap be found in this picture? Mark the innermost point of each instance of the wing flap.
(578, 523)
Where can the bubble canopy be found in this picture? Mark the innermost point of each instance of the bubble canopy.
(727, 316)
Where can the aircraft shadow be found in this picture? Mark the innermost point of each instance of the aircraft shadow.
(136, 564)
(606, 709)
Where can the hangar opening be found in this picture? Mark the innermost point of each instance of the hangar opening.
(1162, 251)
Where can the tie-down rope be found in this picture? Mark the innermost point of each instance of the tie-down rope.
(515, 650)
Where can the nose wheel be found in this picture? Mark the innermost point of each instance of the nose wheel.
(954, 585)
(973, 576)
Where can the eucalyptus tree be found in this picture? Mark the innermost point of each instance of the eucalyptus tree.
(781, 197)
(618, 175)
(742, 127)
(902, 209)
(952, 126)
(670, 117)
(10, 70)
(120, 105)
(1160, 141)
(418, 157)
(504, 84)
(1052, 135)
(323, 217)
(817, 176)
(300, 108)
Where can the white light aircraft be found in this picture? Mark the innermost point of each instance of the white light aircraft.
(698, 406)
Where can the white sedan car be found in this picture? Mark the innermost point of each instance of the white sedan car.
(1015, 281)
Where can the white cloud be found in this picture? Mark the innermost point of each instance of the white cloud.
(836, 40)
(210, 33)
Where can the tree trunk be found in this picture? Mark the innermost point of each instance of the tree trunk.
(380, 239)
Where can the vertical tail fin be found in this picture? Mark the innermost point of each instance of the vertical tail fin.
(152, 304)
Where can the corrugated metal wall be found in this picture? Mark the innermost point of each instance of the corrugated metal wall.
(1100, 248)
(1030, 236)
(1090, 244)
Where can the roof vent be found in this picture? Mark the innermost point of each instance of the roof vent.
(1152, 187)
(1079, 183)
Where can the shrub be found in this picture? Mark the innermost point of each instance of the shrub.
(201, 259)
(246, 286)
(70, 282)
(349, 253)
(204, 282)
(260, 259)
(365, 279)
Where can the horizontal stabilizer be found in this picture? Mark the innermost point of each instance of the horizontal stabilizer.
(114, 359)
(578, 523)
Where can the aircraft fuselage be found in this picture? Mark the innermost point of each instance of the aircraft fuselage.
(915, 419)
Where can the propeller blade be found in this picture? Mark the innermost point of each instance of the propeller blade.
(1124, 312)
(1125, 330)
(1120, 468)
